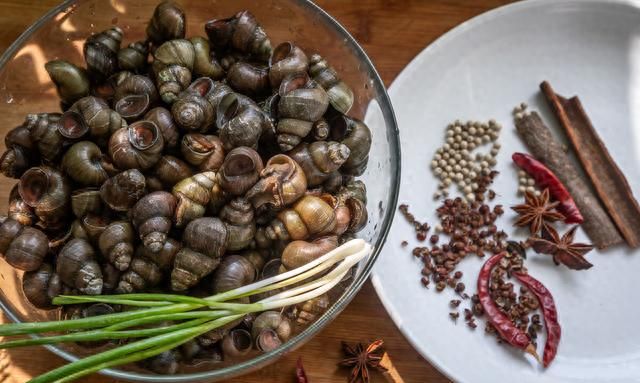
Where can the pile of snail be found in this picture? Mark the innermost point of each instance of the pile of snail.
(186, 165)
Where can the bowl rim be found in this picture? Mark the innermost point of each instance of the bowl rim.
(341, 303)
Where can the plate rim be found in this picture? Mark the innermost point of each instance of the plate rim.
(430, 50)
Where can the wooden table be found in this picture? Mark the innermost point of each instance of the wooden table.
(392, 32)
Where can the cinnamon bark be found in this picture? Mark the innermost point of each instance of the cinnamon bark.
(607, 178)
(546, 148)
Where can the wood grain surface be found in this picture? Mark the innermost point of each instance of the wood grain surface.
(392, 32)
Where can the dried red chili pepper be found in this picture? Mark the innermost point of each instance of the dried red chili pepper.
(549, 313)
(503, 325)
(301, 376)
(547, 180)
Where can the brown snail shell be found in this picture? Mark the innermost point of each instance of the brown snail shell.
(175, 52)
(77, 267)
(270, 329)
(238, 215)
(134, 96)
(205, 152)
(167, 23)
(83, 163)
(23, 247)
(342, 212)
(134, 57)
(193, 195)
(172, 80)
(110, 278)
(191, 110)
(41, 286)
(319, 159)
(354, 196)
(309, 216)
(248, 78)
(71, 81)
(234, 271)
(139, 146)
(240, 170)
(240, 121)
(152, 217)
(47, 135)
(19, 210)
(46, 190)
(173, 66)
(106, 89)
(101, 52)
(205, 241)
(241, 32)
(93, 113)
(320, 130)
(356, 135)
(116, 244)
(256, 257)
(123, 190)
(86, 201)
(89, 227)
(170, 170)
(236, 343)
(228, 58)
(19, 155)
(142, 274)
(281, 183)
(340, 95)
(205, 63)
(298, 110)
(286, 59)
(308, 311)
(164, 121)
(299, 253)
(163, 258)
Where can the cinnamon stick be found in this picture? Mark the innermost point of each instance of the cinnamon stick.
(547, 149)
(389, 371)
(605, 175)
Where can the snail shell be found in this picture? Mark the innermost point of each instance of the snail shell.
(167, 23)
(83, 163)
(287, 59)
(89, 227)
(356, 135)
(234, 271)
(93, 113)
(110, 277)
(123, 190)
(236, 343)
(193, 195)
(41, 286)
(71, 81)
(164, 121)
(19, 155)
(101, 52)
(134, 57)
(299, 253)
(86, 201)
(308, 311)
(250, 79)
(142, 274)
(242, 32)
(281, 183)
(23, 247)
(240, 121)
(134, 96)
(152, 217)
(48, 192)
(340, 95)
(205, 152)
(19, 210)
(205, 241)
(270, 329)
(172, 80)
(205, 64)
(238, 215)
(319, 159)
(138, 146)
(309, 216)
(47, 135)
(192, 111)
(116, 244)
(77, 267)
(240, 170)
(170, 170)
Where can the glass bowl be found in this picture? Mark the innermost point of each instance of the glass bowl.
(25, 88)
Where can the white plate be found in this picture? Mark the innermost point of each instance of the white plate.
(481, 70)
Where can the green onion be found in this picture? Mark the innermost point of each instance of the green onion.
(192, 316)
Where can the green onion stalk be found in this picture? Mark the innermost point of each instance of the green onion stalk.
(189, 316)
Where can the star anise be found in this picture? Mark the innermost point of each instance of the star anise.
(536, 210)
(562, 249)
(360, 358)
